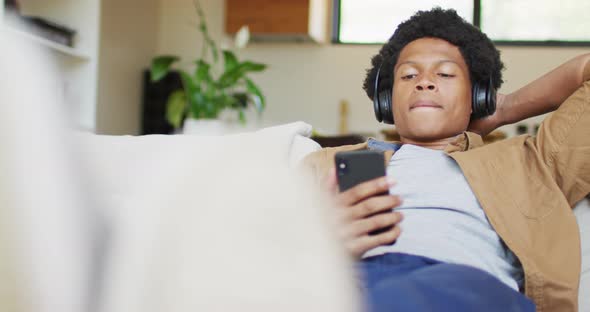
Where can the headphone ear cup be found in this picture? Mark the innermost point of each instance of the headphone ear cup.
(386, 106)
(491, 98)
(377, 107)
(382, 101)
(483, 100)
(383, 107)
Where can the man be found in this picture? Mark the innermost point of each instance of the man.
(475, 228)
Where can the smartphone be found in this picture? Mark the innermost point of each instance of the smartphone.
(356, 167)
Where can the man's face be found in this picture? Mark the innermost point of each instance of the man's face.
(431, 91)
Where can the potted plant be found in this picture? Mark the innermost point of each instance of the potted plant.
(212, 87)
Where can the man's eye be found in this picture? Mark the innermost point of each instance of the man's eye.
(407, 77)
(446, 75)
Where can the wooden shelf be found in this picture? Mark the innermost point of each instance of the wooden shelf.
(68, 51)
(78, 65)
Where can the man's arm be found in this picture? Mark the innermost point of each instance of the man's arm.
(545, 94)
(562, 141)
(541, 96)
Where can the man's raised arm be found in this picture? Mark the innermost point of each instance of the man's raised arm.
(546, 93)
(541, 96)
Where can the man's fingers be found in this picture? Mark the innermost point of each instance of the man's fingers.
(365, 209)
(364, 243)
(365, 190)
(364, 226)
(372, 206)
(331, 181)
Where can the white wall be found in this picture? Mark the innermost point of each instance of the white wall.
(307, 81)
(127, 44)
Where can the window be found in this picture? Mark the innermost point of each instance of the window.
(536, 20)
(516, 22)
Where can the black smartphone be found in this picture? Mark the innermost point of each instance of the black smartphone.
(356, 167)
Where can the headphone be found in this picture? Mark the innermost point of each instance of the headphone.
(483, 100)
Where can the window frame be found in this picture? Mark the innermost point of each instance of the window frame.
(336, 10)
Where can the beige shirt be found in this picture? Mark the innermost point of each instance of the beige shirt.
(527, 186)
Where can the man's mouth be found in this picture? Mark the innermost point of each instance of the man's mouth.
(425, 104)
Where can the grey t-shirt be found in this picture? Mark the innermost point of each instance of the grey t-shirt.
(443, 219)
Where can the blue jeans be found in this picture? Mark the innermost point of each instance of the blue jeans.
(401, 282)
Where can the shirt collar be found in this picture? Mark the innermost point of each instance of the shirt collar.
(463, 142)
(376, 145)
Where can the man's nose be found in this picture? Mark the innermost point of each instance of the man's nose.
(425, 84)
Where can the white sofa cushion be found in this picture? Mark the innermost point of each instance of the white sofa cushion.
(217, 224)
(139, 165)
(582, 212)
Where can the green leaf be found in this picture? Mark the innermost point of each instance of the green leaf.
(175, 108)
(194, 94)
(231, 77)
(248, 66)
(230, 60)
(212, 105)
(242, 116)
(187, 81)
(258, 97)
(210, 93)
(203, 72)
(189, 85)
(161, 66)
(197, 105)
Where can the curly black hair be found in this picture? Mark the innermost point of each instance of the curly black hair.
(480, 54)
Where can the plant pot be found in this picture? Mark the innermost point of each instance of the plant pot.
(227, 123)
(206, 127)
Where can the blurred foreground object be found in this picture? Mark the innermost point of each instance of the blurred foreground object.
(217, 224)
(45, 235)
(155, 223)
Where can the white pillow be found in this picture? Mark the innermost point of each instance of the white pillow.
(582, 212)
(217, 224)
(121, 165)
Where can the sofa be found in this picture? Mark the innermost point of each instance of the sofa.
(215, 223)
(123, 162)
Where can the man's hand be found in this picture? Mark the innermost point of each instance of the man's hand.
(362, 212)
(483, 126)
